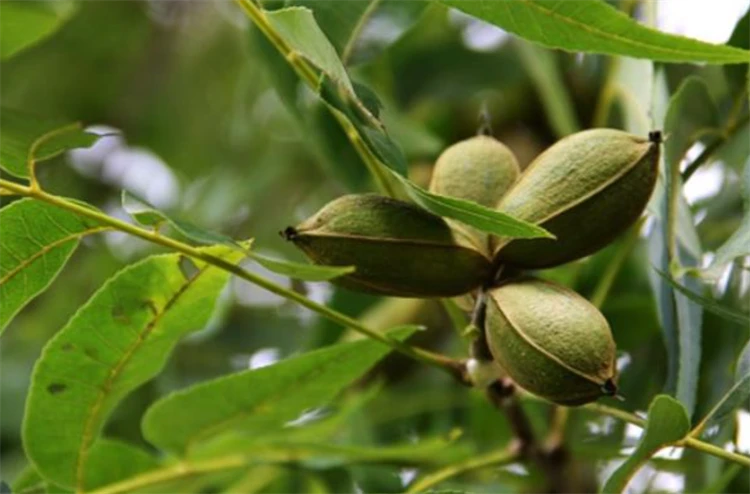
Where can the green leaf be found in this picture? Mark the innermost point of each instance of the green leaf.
(302, 271)
(261, 401)
(28, 480)
(24, 23)
(737, 74)
(691, 115)
(37, 241)
(318, 127)
(323, 455)
(737, 395)
(473, 214)
(340, 21)
(110, 461)
(593, 26)
(298, 28)
(28, 138)
(633, 84)
(369, 128)
(710, 305)
(681, 318)
(738, 245)
(118, 340)
(414, 137)
(446, 491)
(721, 482)
(667, 423)
(345, 22)
(146, 214)
(746, 185)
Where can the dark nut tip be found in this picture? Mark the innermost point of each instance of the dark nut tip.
(609, 388)
(656, 136)
(289, 233)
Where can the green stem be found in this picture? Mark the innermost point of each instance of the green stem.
(617, 413)
(496, 458)
(688, 442)
(451, 366)
(730, 130)
(174, 472)
(308, 74)
(506, 456)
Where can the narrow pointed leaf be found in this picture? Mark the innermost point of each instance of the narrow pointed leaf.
(594, 26)
(298, 28)
(345, 22)
(26, 138)
(111, 461)
(371, 130)
(23, 24)
(710, 305)
(261, 401)
(667, 423)
(689, 115)
(473, 214)
(146, 214)
(319, 454)
(736, 396)
(118, 340)
(737, 74)
(338, 20)
(37, 241)
(302, 271)
(738, 245)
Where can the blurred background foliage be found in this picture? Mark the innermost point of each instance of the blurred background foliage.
(205, 121)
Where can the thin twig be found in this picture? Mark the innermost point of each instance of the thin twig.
(309, 75)
(689, 442)
(493, 459)
(453, 367)
(502, 394)
(713, 147)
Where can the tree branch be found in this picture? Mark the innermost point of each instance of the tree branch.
(453, 367)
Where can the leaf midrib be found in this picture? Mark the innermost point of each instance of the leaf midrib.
(265, 400)
(95, 411)
(628, 41)
(47, 248)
